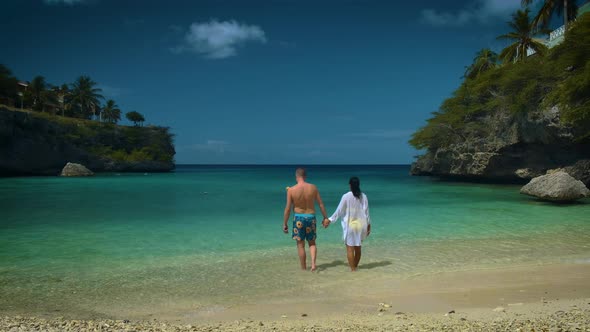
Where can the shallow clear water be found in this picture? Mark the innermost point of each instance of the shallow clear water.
(206, 235)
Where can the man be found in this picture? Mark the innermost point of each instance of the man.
(302, 198)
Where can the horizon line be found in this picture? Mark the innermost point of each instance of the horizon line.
(250, 164)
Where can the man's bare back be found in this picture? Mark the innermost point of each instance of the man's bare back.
(301, 199)
(304, 195)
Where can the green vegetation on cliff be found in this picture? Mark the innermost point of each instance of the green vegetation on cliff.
(80, 99)
(42, 127)
(119, 143)
(41, 143)
(559, 77)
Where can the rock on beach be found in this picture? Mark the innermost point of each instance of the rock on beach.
(556, 187)
(73, 169)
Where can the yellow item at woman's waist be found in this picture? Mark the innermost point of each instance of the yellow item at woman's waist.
(355, 225)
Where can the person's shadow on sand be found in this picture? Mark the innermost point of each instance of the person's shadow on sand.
(367, 266)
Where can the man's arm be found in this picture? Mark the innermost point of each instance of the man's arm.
(318, 198)
(287, 212)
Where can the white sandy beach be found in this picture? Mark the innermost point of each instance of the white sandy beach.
(539, 298)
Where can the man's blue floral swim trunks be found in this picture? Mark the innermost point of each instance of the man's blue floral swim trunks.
(304, 227)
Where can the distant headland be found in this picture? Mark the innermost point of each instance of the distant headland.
(43, 127)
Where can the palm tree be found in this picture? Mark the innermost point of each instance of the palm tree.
(62, 94)
(8, 82)
(522, 35)
(36, 91)
(111, 112)
(484, 60)
(551, 7)
(86, 96)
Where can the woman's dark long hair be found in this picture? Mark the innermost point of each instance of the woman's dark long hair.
(355, 186)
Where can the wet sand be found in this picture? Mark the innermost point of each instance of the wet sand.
(551, 298)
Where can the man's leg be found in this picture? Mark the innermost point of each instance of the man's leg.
(313, 250)
(301, 252)
(357, 256)
(350, 256)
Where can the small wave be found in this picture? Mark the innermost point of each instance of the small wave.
(582, 261)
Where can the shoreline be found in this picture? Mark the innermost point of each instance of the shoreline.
(562, 315)
(433, 293)
(532, 297)
(567, 316)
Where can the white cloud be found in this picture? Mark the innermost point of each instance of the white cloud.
(65, 2)
(380, 133)
(211, 145)
(218, 40)
(480, 11)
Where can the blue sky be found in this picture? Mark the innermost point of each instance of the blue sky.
(287, 82)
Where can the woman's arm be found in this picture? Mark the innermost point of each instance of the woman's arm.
(340, 211)
(367, 210)
(367, 215)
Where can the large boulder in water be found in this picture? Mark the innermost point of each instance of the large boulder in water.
(580, 171)
(557, 187)
(73, 169)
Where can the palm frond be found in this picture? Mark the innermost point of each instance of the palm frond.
(509, 53)
(511, 35)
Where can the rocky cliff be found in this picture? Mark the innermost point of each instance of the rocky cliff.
(515, 147)
(515, 120)
(38, 144)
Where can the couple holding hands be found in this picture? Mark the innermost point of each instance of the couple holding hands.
(353, 211)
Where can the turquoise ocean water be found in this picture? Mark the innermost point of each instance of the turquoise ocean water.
(208, 235)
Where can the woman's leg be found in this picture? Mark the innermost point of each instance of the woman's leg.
(350, 256)
(357, 256)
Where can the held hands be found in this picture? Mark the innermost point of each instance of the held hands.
(326, 222)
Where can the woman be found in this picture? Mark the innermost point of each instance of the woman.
(353, 210)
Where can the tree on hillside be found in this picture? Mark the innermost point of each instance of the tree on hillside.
(62, 93)
(85, 96)
(111, 112)
(484, 60)
(523, 36)
(7, 82)
(35, 92)
(135, 117)
(551, 7)
(39, 94)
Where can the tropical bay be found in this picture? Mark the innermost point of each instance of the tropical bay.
(184, 255)
(143, 184)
